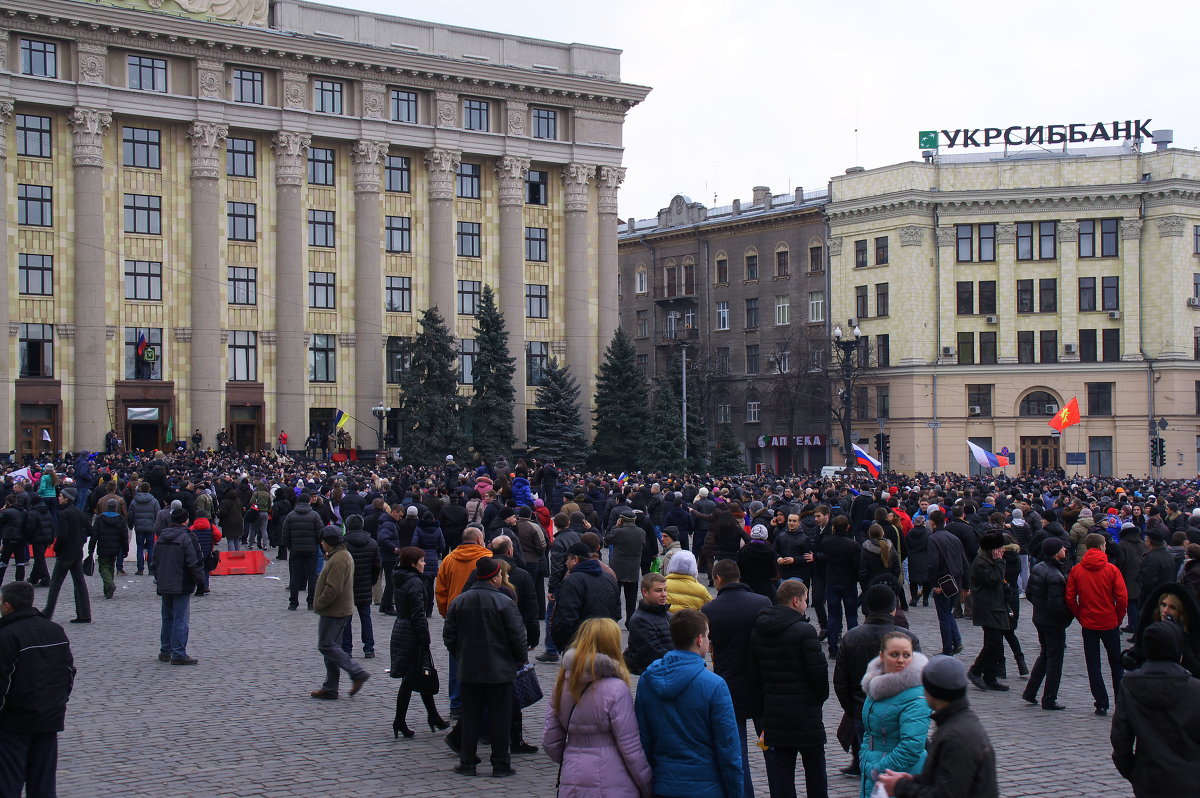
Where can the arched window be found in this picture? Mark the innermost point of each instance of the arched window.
(751, 260)
(670, 284)
(689, 276)
(721, 268)
(640, 286)
(783, 266)
(1038, 403)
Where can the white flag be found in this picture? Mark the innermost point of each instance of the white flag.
(22, 473)
(46, 435)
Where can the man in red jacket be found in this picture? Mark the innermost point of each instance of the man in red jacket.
(1096, 596)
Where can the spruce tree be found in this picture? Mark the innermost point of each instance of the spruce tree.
(492, 402)
(662, 446)
(622, 408)
(429, 414)
(555, 429)
(727, 457)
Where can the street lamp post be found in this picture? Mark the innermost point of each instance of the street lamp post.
(380, 412)
(846, 347)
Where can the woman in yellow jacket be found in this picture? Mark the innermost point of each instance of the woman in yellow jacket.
(683, 591)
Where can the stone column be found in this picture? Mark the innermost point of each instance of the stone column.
(291, 360)
(1006, 293)
(7, 411)
(580, 331)
(511, 173)
(441, 167)
(88, 128)
(610, 179)
(206, 379)
(368, 289)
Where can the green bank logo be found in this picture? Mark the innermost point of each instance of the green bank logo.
(927, 140)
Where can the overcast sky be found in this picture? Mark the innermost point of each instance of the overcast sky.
(786, 93)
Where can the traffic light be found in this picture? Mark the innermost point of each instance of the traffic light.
(879, 442)
(886, 445)
(1158, 452)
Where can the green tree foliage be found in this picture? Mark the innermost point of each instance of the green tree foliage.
(492, 401)
(622, 408)
(664, 448)
(555, 429)
(727, 457)
(429, 413)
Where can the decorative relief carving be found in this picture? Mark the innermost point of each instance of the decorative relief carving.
(516, 118)
(93, 60)
(110, 333)
(511, 172)
(1068, 231)
(945, 236)
(14, 329)
(88, 126)
(207, 140)
(447, 108)
(295, 88)
(1006, 234)
(347, 340)
(611, 178)
(1131, 229)
(911, 236)
(367, 156)
(291, 152)
(224, 337)
(65, 330)
(834, 245)
(183, 335)
(1170, 226)
(374, 99)
(247, 12)
(441, 166)
(3, 50)
(576, 178)
(6, 110)
(269, 337)
(211, 76)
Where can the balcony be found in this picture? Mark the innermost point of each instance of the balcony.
(679, 335)
(673, 292)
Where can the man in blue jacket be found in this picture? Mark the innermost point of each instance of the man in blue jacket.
(685, 717)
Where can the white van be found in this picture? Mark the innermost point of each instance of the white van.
(834, 471)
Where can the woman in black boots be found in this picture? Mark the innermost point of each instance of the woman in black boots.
(411, 658)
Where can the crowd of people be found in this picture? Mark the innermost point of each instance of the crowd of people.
(521, 556)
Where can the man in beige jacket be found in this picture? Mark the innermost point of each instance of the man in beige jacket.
(334, 602)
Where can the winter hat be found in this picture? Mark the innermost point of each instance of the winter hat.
(580, 550)
(175, 505)
(331, 535)
(1128, 525)
(412, 511)
(1086, 512)
(179, 515)
(538, 503)
(70, 493)
(485, 569)
(673, 531)
(879, 598)
(1049, 515)
(684, 562)
(354, 522)
(1163, 640)
(1051, 547)
(756, 507)
(758, 532)
(702, 493)
(991, 540)
(449, 458)
(945, 678)
(524, 512)
(1156, 536)
(1018, 517)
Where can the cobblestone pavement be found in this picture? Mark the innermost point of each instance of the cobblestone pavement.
(241, 723)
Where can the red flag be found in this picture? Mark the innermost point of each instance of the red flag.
(1067, 416)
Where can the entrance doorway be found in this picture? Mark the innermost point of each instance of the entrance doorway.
(141, 435)
(1039, 452)
(245, 429)
(245, 436)
(36, 430)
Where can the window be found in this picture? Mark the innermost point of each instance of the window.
(545, 123)
(398, 234)
(1196, 239)
(469, 292)
(1110, 345)
(966, 349)
(1087, 293)
(537, 185)
(1087, 346)
(862, 404)
(783, 311)
(964, 243)
(327, 96)
(881, 299)
(141, 148)
(143, 353)
(537, 301)
(322, 359)
(35, 274)
(537, 244)
(1108, 238)
(643, 325)
(964, 293)
(248, 86)
(1024, 241)
(404, 106)
(883, 350)
(1100, 398)
(241, 221)
(33, 136)
(987, 348)
(1047, 240)
(475, 115)
(881, 251)
(752, 409)
(396, 359)
(397, 173)
(752, 359)
(722, 271)
(143, 214)
(243, 285)
(243, 356)
(722, 360)
(987, 243)
(35, 205)
(861, 310)
(816, 259)
(1049, 346)
(35, 348)
(752, 313)
(239, 157)
(783, 359)
(322, 291)
(1196, 286)
(397, 294)
(468, 180)
(782, 266)
(143, 280)
(467, 351)
(1110, 288)
(537, 362)
(979, 396)
(1025, 346)
(860, 253)
(321, 228)
(1024, 296)
(39, 58)
(643, 364)
(1037, 403)
(752, 267)
(320, 166)
(816, 306)
(987, 297)
(1048, 295)
(640, 282)
(883, 401)
(1087, 238)
(147, 73)
(468, 239)
(722, 315)
(724, 413)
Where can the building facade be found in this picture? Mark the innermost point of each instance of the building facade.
(993, 289)
(744, 288)
(231, 214)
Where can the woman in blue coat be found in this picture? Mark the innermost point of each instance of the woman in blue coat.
(428, 537)
(895, 715)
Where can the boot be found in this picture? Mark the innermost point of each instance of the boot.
(435, 719)
(400, 722)
(1022, 668)
(20, 573)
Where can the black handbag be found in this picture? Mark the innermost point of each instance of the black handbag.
(89, 565)
(526, 688)
(212, 560)
(422, 677)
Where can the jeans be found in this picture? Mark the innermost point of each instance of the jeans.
(841, 599)
(497, 699)
(454, 689)
(302, 568)
(145, 550)
(818, 601)
(1049, 664)
(947, 625)
(1023, 579)
(550, 647)
(387, 602)
(368, 631)
(257, 530)
(1133, 613)
(81, 499)
(29, 761)
(233, 544)
(988, 661)
(329, 643)
(173, 637)
(747, 781)
(1092, 640)
(83, 603)
(781, 771)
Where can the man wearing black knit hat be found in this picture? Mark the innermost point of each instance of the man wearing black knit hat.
(1046, 591)
(991, 610)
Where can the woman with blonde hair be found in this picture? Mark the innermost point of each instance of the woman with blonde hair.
(877, 557)
(591, 729)
(684, 592)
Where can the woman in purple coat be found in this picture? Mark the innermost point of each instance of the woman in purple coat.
(590, 725)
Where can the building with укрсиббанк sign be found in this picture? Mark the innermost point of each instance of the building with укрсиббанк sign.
(230, 213)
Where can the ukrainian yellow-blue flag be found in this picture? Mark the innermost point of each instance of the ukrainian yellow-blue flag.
(340, 418)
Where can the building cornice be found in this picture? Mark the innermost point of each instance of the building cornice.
(727, 225)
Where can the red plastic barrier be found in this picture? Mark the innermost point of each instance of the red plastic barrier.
(236, 563)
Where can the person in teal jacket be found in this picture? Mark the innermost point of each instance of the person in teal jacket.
(895, 714)
(685, 719)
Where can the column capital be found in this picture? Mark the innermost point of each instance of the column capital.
(511, 172)
(6, 111)
(1068, 231)
(93, 62)
(576, 178)
(367, 156)
(1131, 229)
(946, 236)
(291, 150)
(88, 126)
(611, 178)
(207, 139)
(1006, 233)
(441, 166)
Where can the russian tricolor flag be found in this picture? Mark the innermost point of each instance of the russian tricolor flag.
(868, 462)
(987, 459)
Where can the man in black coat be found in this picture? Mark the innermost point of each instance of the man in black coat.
(302, 537)
(947, 572)
(68, 551)
(1047, 592)
(178, 572)
(367, 568)
(649, 626)
(731, 617)
(586, 592)
(990, 611)
(1157, 567)
(37, 672)
(842, 555)
(787, 666)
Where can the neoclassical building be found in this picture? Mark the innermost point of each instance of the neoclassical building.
(229, 213)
